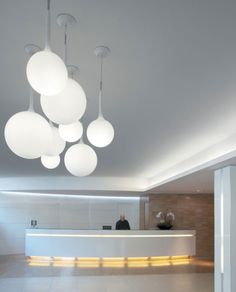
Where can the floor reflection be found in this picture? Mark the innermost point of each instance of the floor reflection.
(18, 274)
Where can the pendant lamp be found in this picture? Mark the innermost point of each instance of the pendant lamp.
(80, 159)
(63, 101)
(27, 133)
(100, 132)
(69, 105)
(72, 132)
(50, 162)
(46, 72)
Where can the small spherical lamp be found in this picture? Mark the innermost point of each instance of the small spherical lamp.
(46, 73)
(27, 134)
(100, 132)
(50, 162)
(72, 132)
(80, 160)
(68, 106)
(56, 144)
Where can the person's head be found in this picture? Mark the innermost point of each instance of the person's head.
(122, 217)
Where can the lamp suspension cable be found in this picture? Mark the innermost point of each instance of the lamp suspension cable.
(48, 27)
(31, 100)
(50, 123)
(101, 52)
(65, 20)
(30, 50)
(100, 91)
(81, 140)
(65, 44)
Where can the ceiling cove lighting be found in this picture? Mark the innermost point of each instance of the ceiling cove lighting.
(100, 132)
(46, 72)
(63, 102)
(92, 197)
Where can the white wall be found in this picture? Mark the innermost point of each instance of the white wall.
(16, 213)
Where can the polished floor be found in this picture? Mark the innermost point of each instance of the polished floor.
(19, 275)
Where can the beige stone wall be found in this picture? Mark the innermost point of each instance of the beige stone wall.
(192, 212)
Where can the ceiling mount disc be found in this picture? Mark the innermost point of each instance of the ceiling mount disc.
(32, 49)
(102, 51)
(72, 69)
(64, 19)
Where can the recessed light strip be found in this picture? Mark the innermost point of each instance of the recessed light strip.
(69, 196)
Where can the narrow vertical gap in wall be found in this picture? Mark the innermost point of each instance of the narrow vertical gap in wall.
(222, 229)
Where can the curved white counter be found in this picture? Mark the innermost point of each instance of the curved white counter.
(108, 243)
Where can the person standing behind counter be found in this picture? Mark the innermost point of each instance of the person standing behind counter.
(122, 224)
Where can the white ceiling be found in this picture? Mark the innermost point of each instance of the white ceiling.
(169, 83)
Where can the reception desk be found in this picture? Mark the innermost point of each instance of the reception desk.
(109, 243)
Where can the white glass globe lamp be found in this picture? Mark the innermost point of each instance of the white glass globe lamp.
(56, 144)
(100, 132)
(68, 106)
(72, 132)
(80, 160)
(27, 134)
(50, 162)
(46, 72)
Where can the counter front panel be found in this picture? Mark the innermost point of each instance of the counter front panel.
(109, 243)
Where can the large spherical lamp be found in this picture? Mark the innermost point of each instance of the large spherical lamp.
(46, 72)
(80, 160)
(27, 134)
(68, 106)
(72, 132)
(50, 162)
(100, 132)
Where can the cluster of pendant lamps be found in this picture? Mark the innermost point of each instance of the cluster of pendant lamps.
(63, 101)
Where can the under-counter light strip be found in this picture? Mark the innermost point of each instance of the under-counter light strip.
(69, 196)
(108, 235)
(120, 262)
(113, 259)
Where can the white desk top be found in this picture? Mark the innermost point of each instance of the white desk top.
(108, 233)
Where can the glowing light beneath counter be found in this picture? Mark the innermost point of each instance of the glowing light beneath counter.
(39, 264)
(88, 264)
(64, 258)
(119, 262)
(160, 263)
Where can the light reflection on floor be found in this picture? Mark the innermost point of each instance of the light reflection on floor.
(17, 274)
(125, 283)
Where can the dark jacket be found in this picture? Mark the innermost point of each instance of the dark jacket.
(122, 225)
